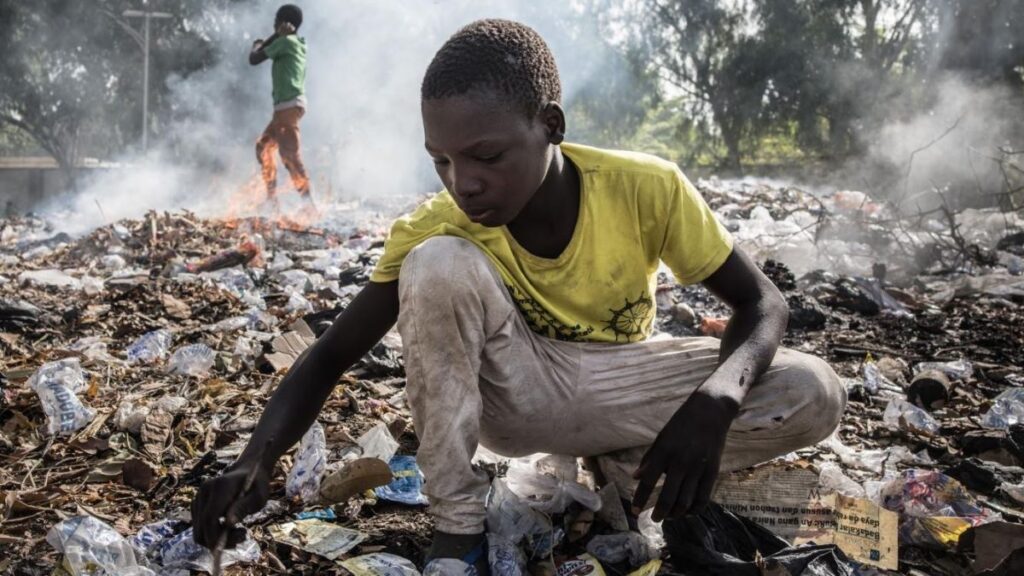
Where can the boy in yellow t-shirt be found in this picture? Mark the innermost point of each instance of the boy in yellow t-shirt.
(524, 297)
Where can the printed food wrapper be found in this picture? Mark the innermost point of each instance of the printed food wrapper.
(584, 565)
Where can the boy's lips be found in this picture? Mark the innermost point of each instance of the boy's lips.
(478, 214)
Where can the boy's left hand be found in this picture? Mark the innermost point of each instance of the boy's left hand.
(688, 451)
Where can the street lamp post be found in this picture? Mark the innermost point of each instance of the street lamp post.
(143, 42)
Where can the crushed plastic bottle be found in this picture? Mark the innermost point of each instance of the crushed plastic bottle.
(957, 369)
(192, 360)
(1007, 409)
(407, 485)
(91, 547)
(56, 384)
(310, 463)
(903, 414)
(614, 548)
(150, 347)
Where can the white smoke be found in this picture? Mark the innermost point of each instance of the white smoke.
(361, 136)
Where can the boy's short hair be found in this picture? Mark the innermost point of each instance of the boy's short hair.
(289, 13)
(500, 55)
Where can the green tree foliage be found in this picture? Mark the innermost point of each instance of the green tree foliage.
(72, 72)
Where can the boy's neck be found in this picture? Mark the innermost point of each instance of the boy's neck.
(547, 222)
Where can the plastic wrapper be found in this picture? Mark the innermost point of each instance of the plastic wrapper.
(380, 564)
(91, 547)
(131, 415)
(449, 567)
(903, 414)
(407, 485)
(150, 347)
(192, 360)
(615, 548)
(318, 537)
(1007, 409)
(148, 539)
(310, 463)
(56, 384)
(956, 370)
(504, 556)
(182, 553)
(378, 442)
(549, 492)
(934, 508)
(584, 565)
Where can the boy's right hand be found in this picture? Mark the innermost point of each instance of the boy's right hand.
(222, 497)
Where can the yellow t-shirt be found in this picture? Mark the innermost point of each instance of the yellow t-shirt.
(635, 210)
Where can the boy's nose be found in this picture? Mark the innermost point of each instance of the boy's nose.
(466, 186)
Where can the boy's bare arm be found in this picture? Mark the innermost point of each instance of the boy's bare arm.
(688, 450)
(257, 55)
(294, 407)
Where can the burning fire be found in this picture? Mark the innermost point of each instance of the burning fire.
(250, 206)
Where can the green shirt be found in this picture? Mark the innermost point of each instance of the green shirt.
(288, 73)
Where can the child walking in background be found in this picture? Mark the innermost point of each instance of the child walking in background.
(288, 74)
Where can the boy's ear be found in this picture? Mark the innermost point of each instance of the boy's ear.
(552, 116)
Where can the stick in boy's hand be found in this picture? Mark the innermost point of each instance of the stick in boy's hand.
(230, 519)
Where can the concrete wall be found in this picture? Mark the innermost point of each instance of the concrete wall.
(27, 184)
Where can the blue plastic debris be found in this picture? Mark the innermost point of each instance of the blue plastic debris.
(407, 487)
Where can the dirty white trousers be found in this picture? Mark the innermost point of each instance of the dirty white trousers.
(476, 373)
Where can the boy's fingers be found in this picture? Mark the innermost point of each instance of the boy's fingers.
(648, 478)
(669, 494)
(704, 489)
(684, 501)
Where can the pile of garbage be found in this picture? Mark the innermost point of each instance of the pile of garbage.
(135, 362)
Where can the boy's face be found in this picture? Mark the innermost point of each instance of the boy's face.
(489, 155)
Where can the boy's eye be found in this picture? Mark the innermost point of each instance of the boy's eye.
(490, 158)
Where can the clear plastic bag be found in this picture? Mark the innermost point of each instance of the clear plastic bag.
(192, 360)
(181, 552)
(614, 548)
(89, 545)
(378, 442)
(1007, 409)
(56, 384)
(504, 556)
(308, 469)
(903, 414)
(150, 347)
(832, 479)
(957, 369)
(548, 484)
